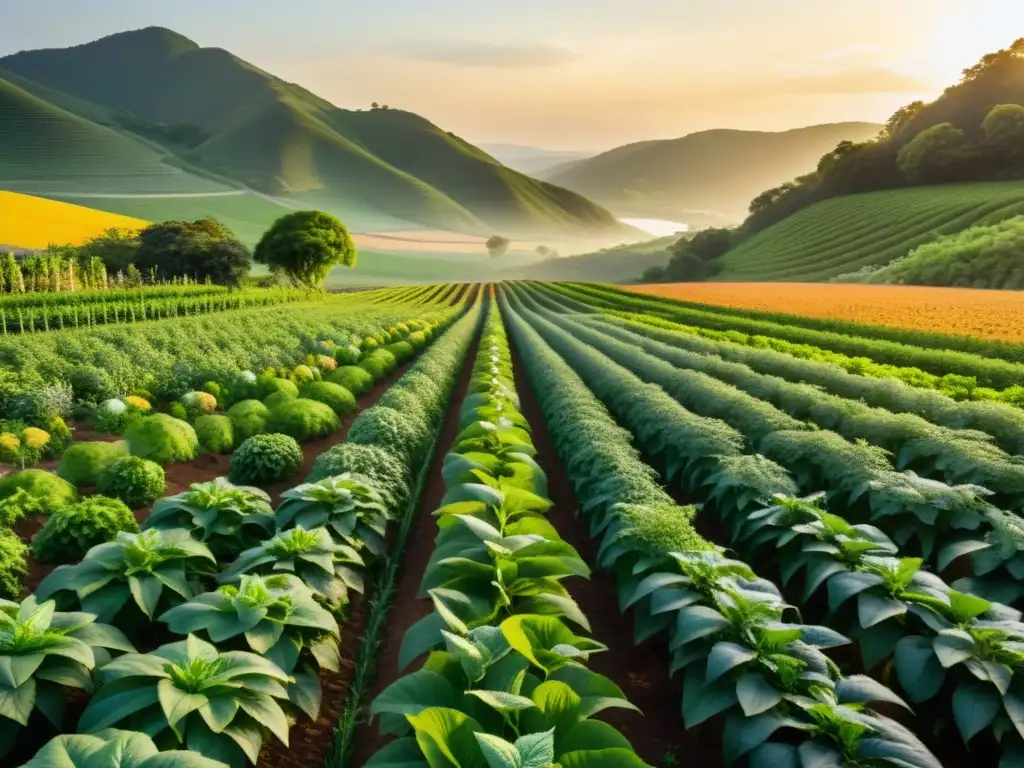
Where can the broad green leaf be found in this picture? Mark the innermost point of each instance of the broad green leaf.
(726, 656)
(756, 694)
(498, 752)
(975, 706)
(502, 701)
(448, 735)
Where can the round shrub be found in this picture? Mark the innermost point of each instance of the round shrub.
(375, 367)
(178, 411)
(302, 373)
(389, 473)
(417, 340)
(278, 398)
(347, 355)
(199, 402)
(268, 385)
(325, 364)
(83, 463)
(354, 378)
(389, 429)
(248, 418)
(162, 438)
(388, 360)
(73, 530)
(340, 400)
(215, 433)
(303, 419)
(90, 385)
(265, 459)
(44, 490)
(137, 482)
(369, 344)
(402, 350)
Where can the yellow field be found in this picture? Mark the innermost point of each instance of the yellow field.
(35, 222)
(960, 311)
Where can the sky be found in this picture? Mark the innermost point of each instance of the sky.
(574, 74)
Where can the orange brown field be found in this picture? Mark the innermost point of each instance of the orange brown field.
(960, 311)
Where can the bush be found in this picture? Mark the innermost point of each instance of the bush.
(178, 411)
(137, 482)
(340, 400)
(418, 340)
(198, 403)
(278, 398)
(248, 418)
(302, 373)
(402, 350)
(163, 439)
(216, 433)
(404, 401)
(384, 468)
(48, 490)
(73, 530)
(389, 429)
(354, 378)
(379, 363)
(303, 419)
(90, 385)
(265, 459)
(347, 355)
(83, 463)
(268, 385)
(13, 565)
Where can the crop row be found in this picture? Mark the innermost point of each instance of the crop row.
(511, 687)
(997, 365)
(257, 645)
(782, 700)
(924, 514)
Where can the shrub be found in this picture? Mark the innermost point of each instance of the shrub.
(402, 350)
(417, 339)
(303, 419)
(199, 402)
(402, 400)
(268, 385)
(389, 429)
(302, 373)
(216, 433)
(379, 364)
(113, 416)
(326, 364)
(163, 439)
(90, 385)
(13, 564)
(265, 459)
(47, 491)
(340, 400)
(347, 355)
(213, 388)
(354, 378)
(73, 530)
(278, 398)
(83, 463)
(248, 418)
(178, 411)
(135, 481)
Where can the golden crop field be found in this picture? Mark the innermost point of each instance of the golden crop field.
(35, 222)
(960, 311)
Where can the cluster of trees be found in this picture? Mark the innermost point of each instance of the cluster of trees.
(184, 135)
(497, 245)
(973, 132)
(693, 258)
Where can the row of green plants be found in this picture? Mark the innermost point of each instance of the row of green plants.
(922, 514)
(996, 373)
(505, 681)
(257, 594)
(801, 328)
(782, 701)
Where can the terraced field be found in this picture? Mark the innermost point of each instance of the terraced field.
(510, 525)
(845, 234)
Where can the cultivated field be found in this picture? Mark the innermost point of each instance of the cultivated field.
(512, 524)
(34, 222)
(844, 234)
(960, 311)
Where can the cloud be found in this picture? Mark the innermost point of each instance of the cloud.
(480, 54)
(875, 79)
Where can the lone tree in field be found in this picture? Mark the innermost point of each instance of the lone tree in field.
(304, 246)
(497, 245)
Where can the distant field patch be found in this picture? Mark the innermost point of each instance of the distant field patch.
(845, 234)
(35, 222)
(959, 311)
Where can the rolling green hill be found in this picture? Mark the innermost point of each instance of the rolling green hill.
(619, 264)
(222, 115)
(719, 170)
(845, 234)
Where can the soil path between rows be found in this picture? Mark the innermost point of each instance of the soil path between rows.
(407, 608)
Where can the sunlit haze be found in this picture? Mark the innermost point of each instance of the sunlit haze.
(575, 74)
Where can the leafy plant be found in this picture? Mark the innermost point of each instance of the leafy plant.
(162, 438)
(265, 459)
(135, 481)
(215, 433)
(303, 419)
(73, 530)
(112, 748)
(248, 418)
(190, 693)
(13, 564)
(84, 463)
(225, 517)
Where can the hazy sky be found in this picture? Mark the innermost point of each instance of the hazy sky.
(574, 74)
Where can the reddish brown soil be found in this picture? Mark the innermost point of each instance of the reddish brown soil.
(407, 608)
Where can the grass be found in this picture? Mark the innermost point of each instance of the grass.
(844, 234)
(619, 264)
(34, 222)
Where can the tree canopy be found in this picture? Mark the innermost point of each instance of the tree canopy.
(304, 246)
(200, 249)
(497, 245)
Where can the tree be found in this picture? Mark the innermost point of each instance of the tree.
(899, 119)
(1003, 129)
(199, 249)
(939, 154)
(304, 246)
(497, 245)
(543, 251)
(708, 244)
(991, 60)
(13, 278)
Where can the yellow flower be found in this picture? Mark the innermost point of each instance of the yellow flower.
(35, 438)
(10, 445)
(138, 403)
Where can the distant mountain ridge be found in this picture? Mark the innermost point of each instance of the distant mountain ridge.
(136, 100)
(719, 170)
(532, 160)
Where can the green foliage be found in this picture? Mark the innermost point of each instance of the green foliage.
(248, 418)
(134, 750)
(73, 530)
(384, 468)
(340, 400)
(379, 363)
(497, 245)
(47, 490)
(347, 354)
(1004, 131)
(304, 246)
(396, 432)
(303, 419)
(403, 351)
(200, 249)
(135, 481)
(13, 564)
(355, 378)
(269, 385)
(83, 463)
(163, 439)
(939, 153)
(277, 398)
(215, 433)
(265, 459)
(348, 505)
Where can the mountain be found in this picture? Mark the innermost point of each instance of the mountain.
(152, 100)
(718, 170)
(532, 160)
